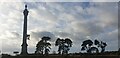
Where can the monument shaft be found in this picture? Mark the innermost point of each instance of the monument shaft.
(24, 43)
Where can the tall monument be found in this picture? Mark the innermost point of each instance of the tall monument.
(24, 43)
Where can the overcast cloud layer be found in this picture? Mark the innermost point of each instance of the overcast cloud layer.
(75, 20)
(60, 0)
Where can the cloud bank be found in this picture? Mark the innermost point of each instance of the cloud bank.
(75, 20)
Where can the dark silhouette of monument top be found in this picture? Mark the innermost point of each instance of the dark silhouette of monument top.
(25, 6)
(25, 11)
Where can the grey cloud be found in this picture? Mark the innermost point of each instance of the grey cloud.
(57, 20)
(11, 35)
(87, 27)
(17, 35)
(62, 34)
(38, 35)
(110, 36)
(60, 1)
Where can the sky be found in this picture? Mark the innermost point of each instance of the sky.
(78, 21)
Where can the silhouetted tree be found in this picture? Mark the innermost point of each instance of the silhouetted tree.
(59, 44)
(43, 45)
(68, 43)
(46, 44)
(63, 45)
(101, 44)
(86, 45)
(40, 47)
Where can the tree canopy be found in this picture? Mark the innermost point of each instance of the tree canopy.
(43, 45)
(63, 45)
(88, 46)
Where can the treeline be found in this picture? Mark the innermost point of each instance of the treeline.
(64, 45)
(43, 46)
(90, 46)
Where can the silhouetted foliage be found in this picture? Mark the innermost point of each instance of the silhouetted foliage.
(58, 42)
(46, 38)
(101, 44)
(87, 42)
(93, 50)
(40, 47)
(69, 42)
(63, 45)
(43, 45)
(88, 46)
(96, 42)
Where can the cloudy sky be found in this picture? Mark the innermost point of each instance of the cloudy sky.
(75, 20)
